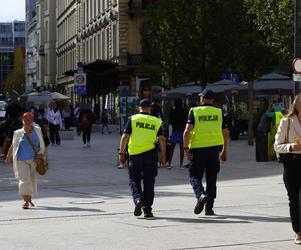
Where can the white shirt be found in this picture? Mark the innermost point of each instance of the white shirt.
(54, 118)
(282, 144)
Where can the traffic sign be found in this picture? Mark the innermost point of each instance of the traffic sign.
(80, 79)
(80, 89)
(297, 77)
(297, 65)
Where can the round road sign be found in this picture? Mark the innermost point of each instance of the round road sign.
(80, 79)
(297, 65)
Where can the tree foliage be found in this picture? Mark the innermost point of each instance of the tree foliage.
(199, 40)
(275, 20)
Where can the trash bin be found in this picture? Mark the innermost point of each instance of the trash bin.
(262, 132)
(262, 147)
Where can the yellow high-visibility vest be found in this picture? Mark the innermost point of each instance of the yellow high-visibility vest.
(207, 130)
(278, 117)
(144, 133)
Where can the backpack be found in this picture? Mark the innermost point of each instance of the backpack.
(85, 123)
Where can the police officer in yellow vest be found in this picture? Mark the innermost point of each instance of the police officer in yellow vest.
(206, 131)
(142, 132)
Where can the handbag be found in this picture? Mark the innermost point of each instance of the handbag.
(42, 164)
(281, 157)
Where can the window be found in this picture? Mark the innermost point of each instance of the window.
(91, 11)
(46, 31)
(103, 46)
(84, 11)
(87, 11)
(46, 64)
(46, 5)
(98, 46)
(103, 6)
(97, 7)
(87, 51)
(95, 48)
(19, 27)
(91, 49)
(108, 44)
(114, 40)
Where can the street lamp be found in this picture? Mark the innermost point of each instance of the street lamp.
(296, 37)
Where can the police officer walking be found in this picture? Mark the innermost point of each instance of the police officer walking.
(206, 131)
(141, 132)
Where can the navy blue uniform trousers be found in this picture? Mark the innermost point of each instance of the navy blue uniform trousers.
(205, 161)
(143, 167)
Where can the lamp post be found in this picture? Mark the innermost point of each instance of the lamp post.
(296, 38)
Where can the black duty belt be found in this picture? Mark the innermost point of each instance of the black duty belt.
(294, 156)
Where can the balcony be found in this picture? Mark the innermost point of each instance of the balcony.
(135, 59)
(140, 59)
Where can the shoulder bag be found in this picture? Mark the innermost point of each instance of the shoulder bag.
(42, 164)
(281, 157)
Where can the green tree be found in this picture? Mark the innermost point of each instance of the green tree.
(199, 40)
(275, 20)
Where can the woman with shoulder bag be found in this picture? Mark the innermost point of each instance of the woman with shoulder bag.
(25, 158)
(288, 143)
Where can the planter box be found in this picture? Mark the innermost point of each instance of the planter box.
(67, 134)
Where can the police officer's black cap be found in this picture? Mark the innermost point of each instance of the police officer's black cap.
(145, 103)
(208, 94)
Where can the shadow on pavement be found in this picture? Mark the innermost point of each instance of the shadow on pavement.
(69, 209)
(226, 219)
(200, 220)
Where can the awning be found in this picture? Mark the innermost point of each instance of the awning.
(102, 77)
(96, 67)
(274, 83)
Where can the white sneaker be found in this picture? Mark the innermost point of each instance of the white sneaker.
(297, 239)
(88, 145)
(85, 145)
(181, 167)
(121, 166)
(169, 166)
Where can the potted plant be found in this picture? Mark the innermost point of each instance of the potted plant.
(238, 116)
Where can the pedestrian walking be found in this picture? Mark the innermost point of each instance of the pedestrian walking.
(141, 132)
(177, 119)
(76, 113)
(8, 128)
(288, 143)
(206, 131)
(24, 158)
(55, 123)
(66, 113)
(156, 109)
(96, 111)
(105, 121)
(86, 120)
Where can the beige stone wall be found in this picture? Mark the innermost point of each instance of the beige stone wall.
(90, 30)
(46, 32)
(98, 30)
(66, 30)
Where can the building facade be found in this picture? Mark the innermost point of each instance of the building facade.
(31, 44)
(66, 46)
(104, 35)
(46, 43)
(12, 36)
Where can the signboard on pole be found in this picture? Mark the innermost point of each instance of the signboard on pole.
(297, 77)
(80, 79)
(80, 83)
(297, 65)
